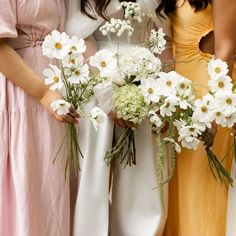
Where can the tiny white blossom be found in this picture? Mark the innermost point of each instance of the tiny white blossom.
(217, 67)
(133, 10)
(117, 27)
(97, 117)
(53, 77)
(56, 45)
(61, 107)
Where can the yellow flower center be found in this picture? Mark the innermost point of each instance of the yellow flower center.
(218, 113)
(229, 101)
(73, 48)
(72, 61)
(182, 86)
(191, 129)
(217, 70)
(168, 83)
(150, 90)
(77, 73)
(56, 79)
(204, 109)
(221, 84)
(58, 46)
(103, 64)
(167, 104)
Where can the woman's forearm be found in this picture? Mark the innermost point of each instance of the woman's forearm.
(16, 70)
(224, 30)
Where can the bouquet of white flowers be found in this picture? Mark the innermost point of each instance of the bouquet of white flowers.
(72, 79)
(194, 117)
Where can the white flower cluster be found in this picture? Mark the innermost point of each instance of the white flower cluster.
(157, 41)
(133, 11)
(73, 75)
(138, 63)
(117, 26)
(220, 104)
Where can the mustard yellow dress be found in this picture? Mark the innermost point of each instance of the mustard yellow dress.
(197, 202)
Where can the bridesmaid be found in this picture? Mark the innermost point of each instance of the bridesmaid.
(201, 28)
(34, 198)
(135, 208)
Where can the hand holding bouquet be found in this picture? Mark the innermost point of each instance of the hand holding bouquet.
(72, 78)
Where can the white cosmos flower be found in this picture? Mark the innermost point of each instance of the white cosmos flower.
(149, 89)
(190, 143)
(53, 77)
(155, 119)
(105, 61)
(70, 61)
(97, 117)
(183, 86)
(221, 84)
(56, 45)
(230, 119)
(179, 123)
(193, 130)
(219, 117)
(169, 106)
(202, 111)
(61, 107)
(167, 82)
(80, 74)
(217, 67)
(226, 102)
(77, 46)
(177, 146)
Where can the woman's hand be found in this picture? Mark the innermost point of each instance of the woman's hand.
(120, 122)
(209, 136)
(51, 96)
(234, 130)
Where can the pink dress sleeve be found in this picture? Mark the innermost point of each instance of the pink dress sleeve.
(8, 19)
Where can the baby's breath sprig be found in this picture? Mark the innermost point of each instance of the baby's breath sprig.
(116, 26)
(133, 11)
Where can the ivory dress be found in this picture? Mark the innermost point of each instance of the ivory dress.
(34, 198)
(197, 202)
(135, 208)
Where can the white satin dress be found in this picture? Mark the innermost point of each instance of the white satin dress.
(132, 207)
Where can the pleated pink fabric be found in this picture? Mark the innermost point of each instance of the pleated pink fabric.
(34, 198)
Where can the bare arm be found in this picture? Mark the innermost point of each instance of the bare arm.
(16, 70)
(224, 12)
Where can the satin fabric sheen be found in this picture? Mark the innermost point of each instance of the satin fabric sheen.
(133, 206)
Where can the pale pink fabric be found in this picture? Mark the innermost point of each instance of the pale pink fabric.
(34, 198)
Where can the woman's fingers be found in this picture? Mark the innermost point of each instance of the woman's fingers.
(74, 113)
(69, 119)
(130, 124)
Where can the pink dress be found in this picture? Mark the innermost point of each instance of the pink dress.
(34, 197)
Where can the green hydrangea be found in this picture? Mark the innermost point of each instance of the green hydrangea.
(129, 103)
